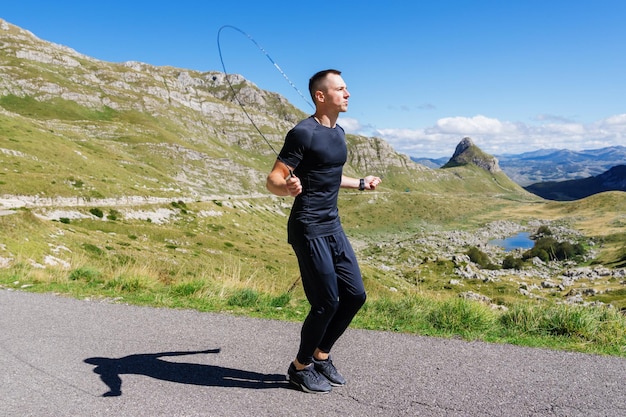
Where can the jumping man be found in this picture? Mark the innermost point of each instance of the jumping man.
(310, 168)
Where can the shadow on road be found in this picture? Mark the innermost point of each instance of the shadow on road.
(151, 364)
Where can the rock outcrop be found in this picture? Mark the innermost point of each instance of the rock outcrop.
(467, 152)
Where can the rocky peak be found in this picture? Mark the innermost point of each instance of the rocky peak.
(467, 152)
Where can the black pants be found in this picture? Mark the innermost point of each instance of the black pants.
(333, 286)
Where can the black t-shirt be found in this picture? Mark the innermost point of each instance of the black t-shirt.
(317, 155)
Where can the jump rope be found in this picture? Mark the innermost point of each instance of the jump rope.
(219, 48)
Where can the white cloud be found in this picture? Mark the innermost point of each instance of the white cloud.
(497, 137)
(564, 129)
(471, 125)
(350, 125)
(618, 119)
(615, 126)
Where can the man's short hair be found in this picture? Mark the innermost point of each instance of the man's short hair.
(317, 81)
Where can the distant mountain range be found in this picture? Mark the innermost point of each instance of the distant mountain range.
(560, 174)
(612, 180)
(550, 164)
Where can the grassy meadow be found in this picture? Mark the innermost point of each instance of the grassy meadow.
(231, 256)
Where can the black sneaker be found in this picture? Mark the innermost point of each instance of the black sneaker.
(308, 380)
(328, 370)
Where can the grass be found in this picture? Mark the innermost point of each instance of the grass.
(597, 330)
(239, 262)
(57, 108)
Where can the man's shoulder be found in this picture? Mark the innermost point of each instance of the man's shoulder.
(304, 128)
(307, 123)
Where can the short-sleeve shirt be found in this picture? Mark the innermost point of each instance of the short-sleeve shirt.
(317, 155)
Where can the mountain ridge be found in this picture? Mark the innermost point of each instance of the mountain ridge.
(544, 165)
(612, 180)
(94, 129)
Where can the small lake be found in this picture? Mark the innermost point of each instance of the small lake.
(521, 240)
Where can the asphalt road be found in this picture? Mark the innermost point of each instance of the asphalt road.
(67, 357)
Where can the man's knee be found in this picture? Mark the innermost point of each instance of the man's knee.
(353, 302)
(358, 300)
(326, 310)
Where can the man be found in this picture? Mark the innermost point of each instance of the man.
(310, 168)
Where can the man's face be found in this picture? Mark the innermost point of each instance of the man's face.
(336, 94)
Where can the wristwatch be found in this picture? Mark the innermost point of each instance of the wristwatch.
(361, 184)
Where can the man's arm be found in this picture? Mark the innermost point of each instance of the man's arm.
(280, 181)
(369, 183)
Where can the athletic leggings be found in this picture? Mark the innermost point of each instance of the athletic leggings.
(333, 286)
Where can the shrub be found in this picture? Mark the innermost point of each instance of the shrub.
(96, 212)
(568, 321)
(243, 298)
(598, 325)
(543, 231)
(113, 214)
(180, 205)
(86, 274)
(548, 249)
(511, 262)
(460, 316)
(187, 288)
(477, 256)
(280, 301)
(93, 249)
(522, 319)
(480, 258)
(543, 255)
(126, 283)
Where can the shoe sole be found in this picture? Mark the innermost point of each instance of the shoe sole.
(304, 388)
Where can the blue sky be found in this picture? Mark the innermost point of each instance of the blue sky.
(515, 76)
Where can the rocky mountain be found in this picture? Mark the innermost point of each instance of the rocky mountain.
(550, 164)
(612, 180)
(86, 127)
(73, 126)
(468, 153)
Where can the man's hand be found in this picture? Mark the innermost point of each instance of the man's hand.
(293, 185)
(281, 181)
(371, 182)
